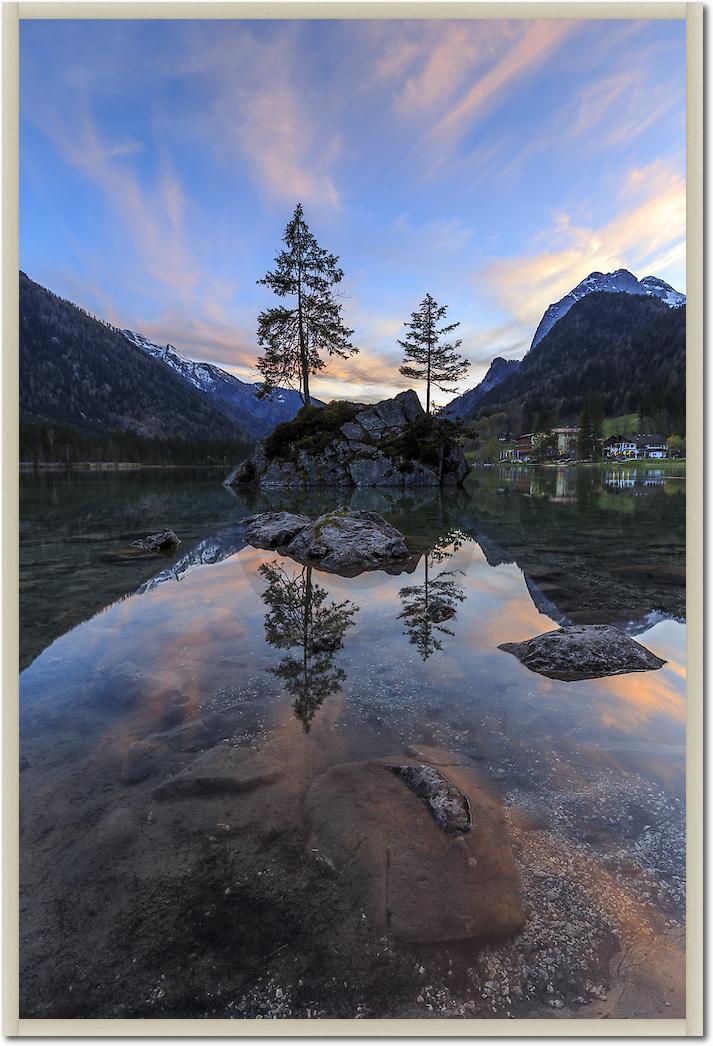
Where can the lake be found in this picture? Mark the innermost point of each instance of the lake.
(138, 901)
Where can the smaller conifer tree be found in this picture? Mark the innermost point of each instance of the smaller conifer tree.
(427, 356)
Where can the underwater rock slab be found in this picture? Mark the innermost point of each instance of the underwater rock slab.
(219, 771)
(583, 652)
(423, 884)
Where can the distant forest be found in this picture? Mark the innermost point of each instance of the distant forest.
(43, 442)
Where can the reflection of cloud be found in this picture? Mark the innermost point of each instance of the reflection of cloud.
(639, 697)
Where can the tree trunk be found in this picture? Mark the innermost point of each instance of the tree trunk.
(303, 343)
(428, 365)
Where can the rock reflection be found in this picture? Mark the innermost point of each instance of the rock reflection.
(426, 607)
(299, 617)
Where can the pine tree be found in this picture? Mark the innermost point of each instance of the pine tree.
(427, 358)
(597, 432)
(584, 436)
(292, 338)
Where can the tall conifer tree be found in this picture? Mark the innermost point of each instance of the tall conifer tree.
(427, 357)
(293, 338)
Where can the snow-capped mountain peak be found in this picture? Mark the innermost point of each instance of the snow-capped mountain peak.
(236, 398)
(198, 374)
(621, 280)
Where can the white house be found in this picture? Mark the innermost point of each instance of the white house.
(648, 446)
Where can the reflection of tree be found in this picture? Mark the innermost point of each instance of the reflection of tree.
(427, 606)
(299, 616)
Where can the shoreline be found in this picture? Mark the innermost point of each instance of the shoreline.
(666, 463)
(106, 466)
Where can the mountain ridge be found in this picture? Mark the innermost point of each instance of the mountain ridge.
(465, 404)
(627, 350)
(237, 398)
(620, 280)
(69, 375)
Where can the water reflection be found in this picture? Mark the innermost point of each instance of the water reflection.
(174, 679)
(426, 607)
(299, 617)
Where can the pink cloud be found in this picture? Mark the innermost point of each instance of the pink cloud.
(646, 236)
(527, 52)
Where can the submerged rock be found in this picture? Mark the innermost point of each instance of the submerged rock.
(219, 771)
(424, 851)
(583, 652)
(140, 762)
(438, 610)
(342, 541)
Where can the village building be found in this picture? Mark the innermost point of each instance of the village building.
(566, 441)
(521, 449)
(638, 446)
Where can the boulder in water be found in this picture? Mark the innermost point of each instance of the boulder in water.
(343, 541)
(163, 541)
(274, 529)
(583, 652)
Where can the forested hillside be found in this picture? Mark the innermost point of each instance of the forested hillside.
(81, 377)
(628, 351)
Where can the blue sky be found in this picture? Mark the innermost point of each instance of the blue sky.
(491, 163)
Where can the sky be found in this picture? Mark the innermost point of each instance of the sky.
(491, 163)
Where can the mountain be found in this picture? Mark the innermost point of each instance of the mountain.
(77, 371)
(233, 397)
(463, 405)
(620, 281)
(629, 350)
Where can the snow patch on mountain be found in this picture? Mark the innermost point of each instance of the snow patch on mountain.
(621, 280)
(198, 374)
(238, 399)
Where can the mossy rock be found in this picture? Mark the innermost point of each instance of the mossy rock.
(312, 430)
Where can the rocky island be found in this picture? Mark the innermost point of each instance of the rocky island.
(394, 443)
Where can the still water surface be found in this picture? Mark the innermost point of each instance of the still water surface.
(213, 907)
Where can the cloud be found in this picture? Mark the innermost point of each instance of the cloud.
(446, 60)
(265, 112)
(148, 213)
(510, 340)
(529, 51)
(648, 231)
